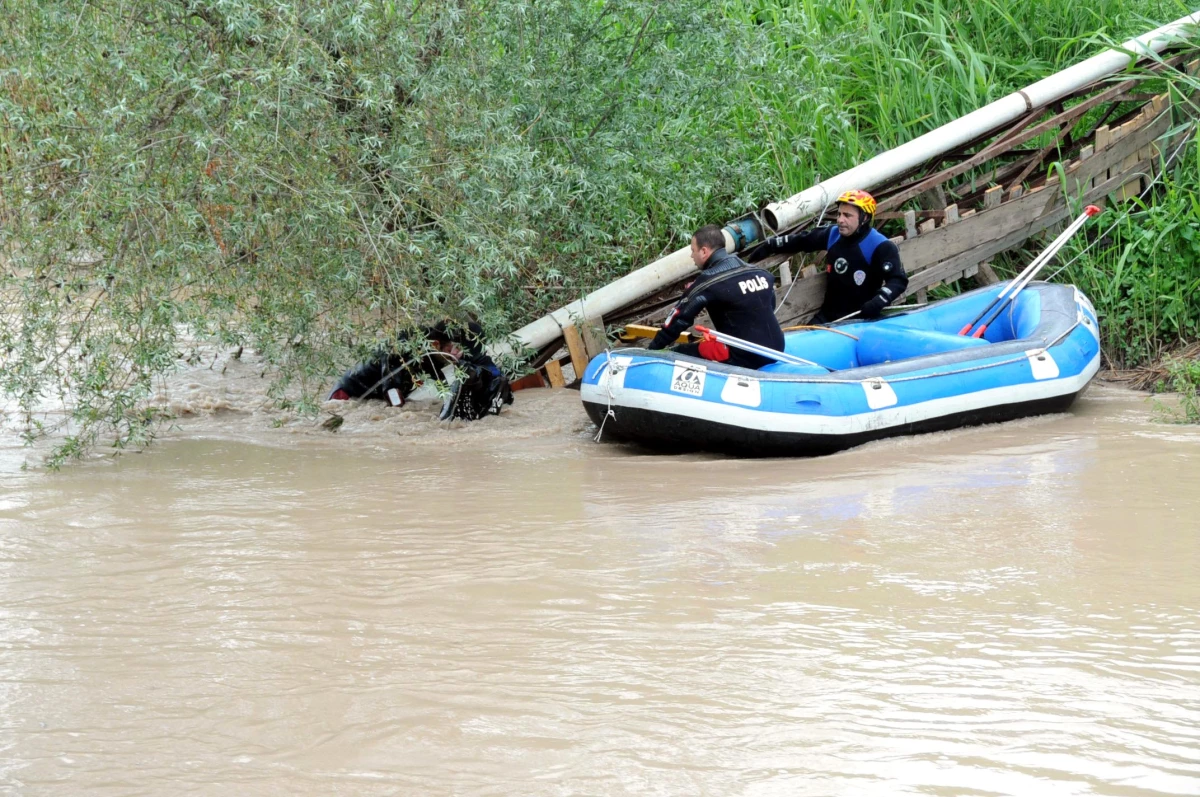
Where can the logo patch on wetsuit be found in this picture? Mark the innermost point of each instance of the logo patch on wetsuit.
(757, 284)
(840, 265)
(860, 277)
(887, 266)
(688, 379)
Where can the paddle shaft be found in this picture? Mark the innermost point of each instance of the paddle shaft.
(754, 348)
(1019, 284)
(1030, 271)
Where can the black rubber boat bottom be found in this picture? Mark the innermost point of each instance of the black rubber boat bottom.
(667, 431)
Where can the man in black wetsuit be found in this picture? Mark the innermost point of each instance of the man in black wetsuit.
(864, 270)
(739, 298)
(483, 390)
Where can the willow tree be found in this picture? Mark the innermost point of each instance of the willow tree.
(307, 178)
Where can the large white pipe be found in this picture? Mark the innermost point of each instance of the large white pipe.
(883, 167)
(867, 175)
(633, 286)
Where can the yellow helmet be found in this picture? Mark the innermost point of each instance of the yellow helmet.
(860, 199)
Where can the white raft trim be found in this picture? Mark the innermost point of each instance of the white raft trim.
(1042, 363)
(744, 390)
(879, 393)
(796, 423)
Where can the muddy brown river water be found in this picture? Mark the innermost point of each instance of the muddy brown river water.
(508, 608)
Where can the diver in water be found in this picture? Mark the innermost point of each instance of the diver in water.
(483, 389)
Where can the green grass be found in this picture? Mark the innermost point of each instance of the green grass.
(879, 74)
(1141, 268)
(1183, 379)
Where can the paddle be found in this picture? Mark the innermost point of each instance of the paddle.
(754, 348)
(1014, 287)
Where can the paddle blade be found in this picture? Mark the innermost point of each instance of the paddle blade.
(1091, 210)
(965, 329)
(979, 332)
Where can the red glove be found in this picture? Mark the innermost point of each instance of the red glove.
(714, 350)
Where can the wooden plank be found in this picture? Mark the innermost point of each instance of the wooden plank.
(1016, 191)
(530, 381)
(1133, 188)
(951, 214)
(594, 340)
(1102, 140)
(966, 214)
(1037, 160)
(997, 222)
(785, 274)
(984, 226)
(987, 275)
(633, 332)
(1130, 190)
(910, 223)
(927, 226)
(804, 298)
(1055, 214)
(993, 196)
(995, 230)
(554, 374)
(574, 341)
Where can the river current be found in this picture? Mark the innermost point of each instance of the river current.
(507, 607)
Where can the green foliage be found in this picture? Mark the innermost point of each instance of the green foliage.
(1183, 379)
(1143, 271)
(309, 178)
(886, 72)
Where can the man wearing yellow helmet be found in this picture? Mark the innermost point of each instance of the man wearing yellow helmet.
(864, 270)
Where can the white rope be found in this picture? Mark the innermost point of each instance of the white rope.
(608, 412)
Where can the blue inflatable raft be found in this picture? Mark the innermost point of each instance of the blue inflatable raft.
(905, 374)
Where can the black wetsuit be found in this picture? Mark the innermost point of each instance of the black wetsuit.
(865, 272)
(740, 300)
(484, 388)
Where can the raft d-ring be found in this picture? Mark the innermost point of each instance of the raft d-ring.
(1042, 363)
(612, 375)
(879, 393)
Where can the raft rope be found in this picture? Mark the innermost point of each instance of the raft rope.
(608, 413)
(826, 329)
(826, 381)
